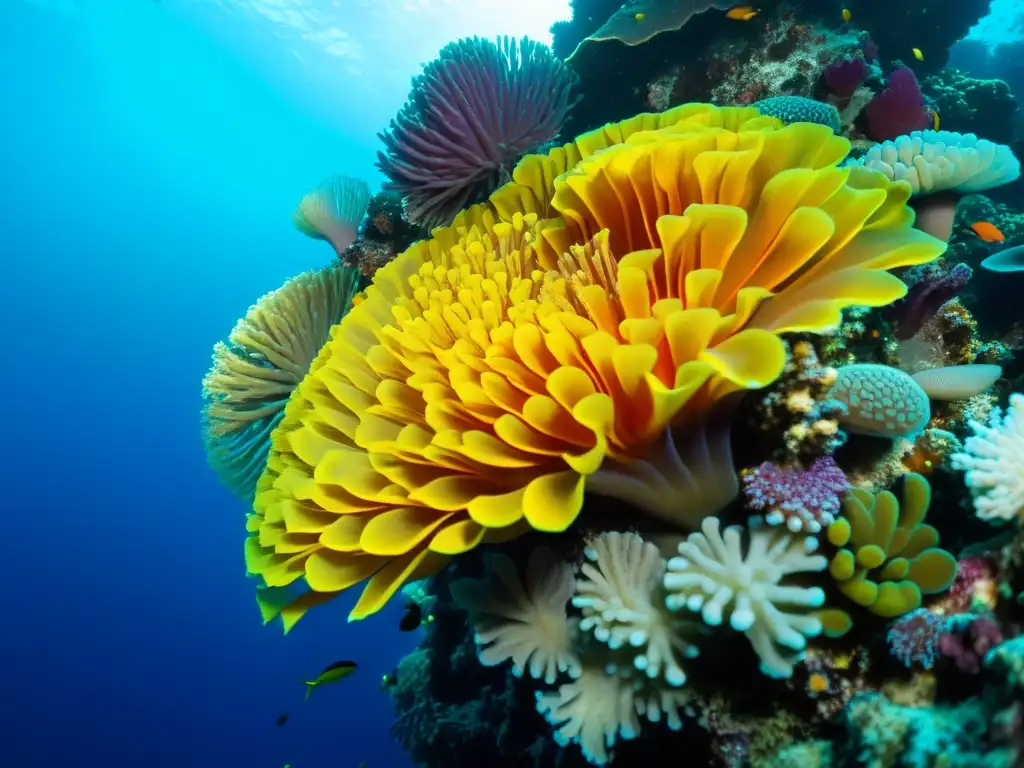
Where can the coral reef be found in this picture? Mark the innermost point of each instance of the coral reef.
(797, 109)
(789, 58)
(993, 460)
(886, 556)
(384, 233)
(972, 105)
(333, 211)
(401, 472)
(801, 499)
(661, 427)
(796, 417)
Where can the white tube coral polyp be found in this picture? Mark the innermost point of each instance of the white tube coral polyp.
(714, 577)
(620, 594)
(993, 459)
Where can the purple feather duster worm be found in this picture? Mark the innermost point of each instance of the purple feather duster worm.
(899, 109)
(472, 113)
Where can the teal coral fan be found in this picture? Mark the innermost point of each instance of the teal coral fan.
(255, 371)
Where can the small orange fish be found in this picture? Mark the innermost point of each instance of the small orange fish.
(742, 12)
(987, 231)
(846, 14)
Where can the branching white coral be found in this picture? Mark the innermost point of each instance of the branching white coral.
(597, 710)
(621, 596)
(936, 161)
(528, 626)
(993, 459)
(713, 576)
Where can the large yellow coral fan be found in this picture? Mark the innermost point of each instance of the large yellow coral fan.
(533, 180)
(493, 371)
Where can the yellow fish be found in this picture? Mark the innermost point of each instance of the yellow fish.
(935, 119)
(917, 54)
(339, 670)
(639, 16)
(742, 12)
(846, 14)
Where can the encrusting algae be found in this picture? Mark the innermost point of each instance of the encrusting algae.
(579, 321)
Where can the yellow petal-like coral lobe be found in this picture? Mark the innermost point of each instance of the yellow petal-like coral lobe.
(605, 298)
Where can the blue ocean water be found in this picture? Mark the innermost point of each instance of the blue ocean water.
(150, 156)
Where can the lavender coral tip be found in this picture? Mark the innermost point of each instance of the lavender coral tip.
(802, 499)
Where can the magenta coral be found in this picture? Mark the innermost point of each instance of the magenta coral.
(914, 638)
(472, 113)
(843, 77)
(967, 640)
(971, 571)
(803, 499)
(899, 109)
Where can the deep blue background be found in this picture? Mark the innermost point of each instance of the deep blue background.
(146, 182)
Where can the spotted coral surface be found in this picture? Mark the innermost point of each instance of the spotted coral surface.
(887, 557)
(573, 323)
(880, 400)
(799, 109)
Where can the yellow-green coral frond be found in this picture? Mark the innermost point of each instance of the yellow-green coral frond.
(887, 557)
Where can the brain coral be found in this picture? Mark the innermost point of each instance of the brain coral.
(490, 372)
(798, 109)
(255, 371)
(880, 401)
